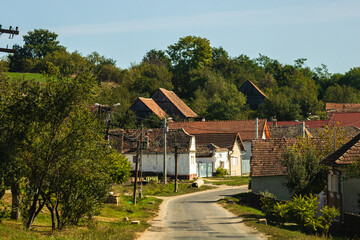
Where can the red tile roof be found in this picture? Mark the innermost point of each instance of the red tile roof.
(342, 107)
(266, 156)
(152, 105)
(183, 108)
(309, 123)
(246, 128)
(222, 140)
(346, 119)
(345, 155)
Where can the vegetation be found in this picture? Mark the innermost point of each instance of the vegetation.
(247, 206)
(300, 210)
(205, 77)
(304, 173)
(221, 172)
(229, 181)
(109, 224)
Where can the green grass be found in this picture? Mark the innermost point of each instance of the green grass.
(108, 225)
(159, 189)
(229, 181)
(26, 76)
(242, 205)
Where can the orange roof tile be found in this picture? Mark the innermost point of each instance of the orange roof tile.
(342, 107)
(266, 156)
(246, 128)
(183, 108)
(345, 155)
(152, 105)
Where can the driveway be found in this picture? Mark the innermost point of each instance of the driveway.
(197, 216)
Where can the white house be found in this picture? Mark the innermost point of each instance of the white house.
(153, 155)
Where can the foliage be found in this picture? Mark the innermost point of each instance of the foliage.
(341, 94)
(119, 167)
(302, 211)
(304, 173)
(220, 172)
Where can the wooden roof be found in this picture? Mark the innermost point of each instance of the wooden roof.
(345, 155)
(245, 128)
(152, 105)
(178, 103)
(266, 156)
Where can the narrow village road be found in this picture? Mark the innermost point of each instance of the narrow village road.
(197, 216)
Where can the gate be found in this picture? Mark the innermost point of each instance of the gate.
(205, 169)
(245, 166)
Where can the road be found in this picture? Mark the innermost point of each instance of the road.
(197, 216)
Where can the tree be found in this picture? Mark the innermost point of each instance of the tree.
(189, 53)
(341, 94)
(351, 78)
(304, 174)
(38, 44)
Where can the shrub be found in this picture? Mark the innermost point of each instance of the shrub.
(220, 172)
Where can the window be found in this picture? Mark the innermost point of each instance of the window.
(234, 161)
(134, 159)
(192, 159)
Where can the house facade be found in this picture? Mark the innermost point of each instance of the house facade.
(153, 156)
(246, 129)
(267, 172)
(343, 192)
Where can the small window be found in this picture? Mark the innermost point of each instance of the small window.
(234, 161)
(134, 159)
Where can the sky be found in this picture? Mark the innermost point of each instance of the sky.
(322, 31)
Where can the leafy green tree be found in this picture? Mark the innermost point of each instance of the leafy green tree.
(157, 57)
(341, 94)
(187, 54)
(351, 78)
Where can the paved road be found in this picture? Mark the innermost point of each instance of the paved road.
(197, 216)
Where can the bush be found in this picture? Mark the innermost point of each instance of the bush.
(220, 172)
(301, 210)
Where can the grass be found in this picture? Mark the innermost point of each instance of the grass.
(245, 206)
(108, 225)
(159, 189)
(26, 76)
(229, 181)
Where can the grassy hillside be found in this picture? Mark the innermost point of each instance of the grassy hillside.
(36, 76)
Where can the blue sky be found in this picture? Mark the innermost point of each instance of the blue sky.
(323, 31)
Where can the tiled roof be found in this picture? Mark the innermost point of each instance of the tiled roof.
(206, 150)
(183, 108)
(350, 131)
(308, 123)
(152, 105)
(288, 131)
(346, 119)
(125, 140)
(222, 140)
(345, 155)
(246, 128)
(266, 156)
(342, 107)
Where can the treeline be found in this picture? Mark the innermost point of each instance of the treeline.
(205, 77)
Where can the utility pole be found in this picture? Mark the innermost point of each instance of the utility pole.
(12, 32)
(334, 136)
(176, 166)
(256, 128)
(136, 170)
(141, 160)
(165, 130)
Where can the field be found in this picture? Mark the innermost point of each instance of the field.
(26, 76)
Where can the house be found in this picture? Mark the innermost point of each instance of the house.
(344, 119)
(125, 141)
(254, 96)
(289, 131)
(342, 192)
(266, 170)
(144, 107)
(247, 130)
(173, 105)
(341, 107)
(215, 150)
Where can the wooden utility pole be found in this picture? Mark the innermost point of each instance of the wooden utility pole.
(136, 170)
(165, 130)
(12, 32)
(141, 161)
(176, 167)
